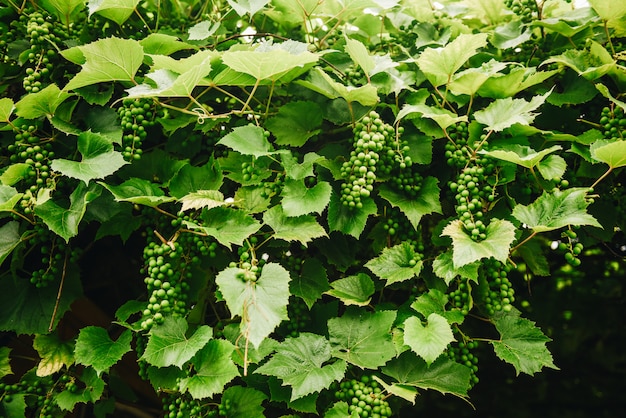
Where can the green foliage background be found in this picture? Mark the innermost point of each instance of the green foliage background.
(242, 208)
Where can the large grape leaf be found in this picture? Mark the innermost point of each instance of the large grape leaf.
(261, 304)
(95, 348)
(192, 179)
(98, 159)
(425, 203)
(244, 402)
(63, 9)
(311, 283)
(396, 264)
(162, 44)
(470, 80)
(500, 235)
(169, 344)
(521, 154)
(303, 363)
(346, 220)
(556, 209)
(300, 200)
(444, 375)
(430, 340)
(443, 267)
(439, 64)
(64, 221)
(613, 12)
(116, 10)
(9, 239)
(363, 338)
(202, 199)
(303, 228)
(107, 59)
(248, 140)
(228, 226)
(500, 86)
(42, 103)
(521, 343)
(214, 368)
(504, 113)
(54, 354)
(353, 290)
(296, 123)
(611, 153)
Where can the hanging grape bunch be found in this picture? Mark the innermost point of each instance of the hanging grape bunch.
(496, 291)
(526, 10)
(136, 115)
(463, 353)
(364, 396)
(613, 123)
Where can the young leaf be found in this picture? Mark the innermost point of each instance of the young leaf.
(296, 123)
(99, 159)
(261, 304)
(353, 290)
(556, 210)
(552, 167)
(301, 228)
(169, 344)
(521, 155)
(248, 140)
(363, 338)
(503, 113)
(65, 221)
(139, 191)
(213, 367)
(247, 6)
(360, 56)
(435, 301)
(302, 363)
(9, 239)
(442, 117)
(228, 226)
(116, 10)
(95, 348)
(521, 343)
(425, 203)
(107, 59)
(346, 220)
(469, 81)
(396, 264)
(311, 283)
(428, 341)
(300, 200)
(324, 84)
(611, 153)
(202, 30)
(244, 402)
(168, 83)
(93, 388)
(443, 267)
(202, 199)
(439, 64)
(444, 375)
(54, 353)
(162, 44)
(500, 235)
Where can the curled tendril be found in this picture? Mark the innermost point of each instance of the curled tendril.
(201, 113)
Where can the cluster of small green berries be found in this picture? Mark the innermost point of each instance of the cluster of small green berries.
(354, 76)
(571, 247)
(274, 186)
(461, 296)
(365, 397)
(497, 291)
(31, 149)
(359, 173)
(400, 230)
(177, 405)
(463, 354)
(136, 115)
(53, 252)
(141, 342)
(527, 10)
(36, 392)
(196, 246)
(613, 123)
(471, 191)
(408, 182)
(166, 281)
(299, 318)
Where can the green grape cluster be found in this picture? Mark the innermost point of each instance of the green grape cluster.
(400, 229)
(354, 76)
(571, 247)
(497, 292)
(299, 318)
(464, 353)
(526, 10)
(407, 182)
(136, 116)
(613, 123)
(359, 173)
(471, 192)
(54, 253)
(365, 397)
(178, 405)
(274, 186)
(141, 342)
(461, 296)
(37, 393)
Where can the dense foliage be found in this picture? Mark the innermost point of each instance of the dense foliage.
(250, 208)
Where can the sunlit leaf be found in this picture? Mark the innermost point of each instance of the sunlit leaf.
(353, 290)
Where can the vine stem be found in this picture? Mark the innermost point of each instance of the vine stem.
(602, 177)
(59, 293)
(528, 238)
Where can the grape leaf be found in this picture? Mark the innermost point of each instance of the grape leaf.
(192, 179)
(244, 402)
(108, 59)
(64, 221)
(606, 93)
(14, 173)
(6, 109)
(613, 12)
(169, 345)
(296, 123)
(166, 377)
(247, 140)
(360, 55)
(116, 10)
(303, 364)
(396, 264)
(95, 348)
(346, 220)
(213, 367)
(425, 203)
(340, 410)
(311, 283)
(9, 239)
(5, 363)
(300, 171)
(428, 341)
(162, 44)
(520, 154)
(435, 301)
(262, 305)
(99, 159)
(93, 387)
(247, 6)
(552, 167)
(556, 210)
(500, 234)
(300, 200)
(439, 64)
(140, 191)
(504, 113)
(202, 199)
(444, 375)
(362, 338)
(54, 353)
(443, 267)
(611, 153)
(43, 103)
(353, 290)
(403, 391)
(303, 228)
(591, 63)
(534, 258)
(63, 9)
(228, 226)
(500, 86)
(521, 343)
(167, 83)
(324, 84)
(202, 30)
(469, 81)
(442, 117)
(15, 408)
